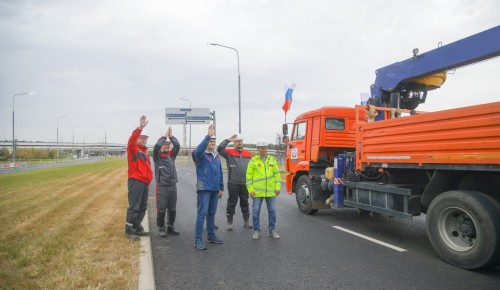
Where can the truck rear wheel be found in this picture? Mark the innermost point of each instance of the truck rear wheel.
(464, 229)
(304, 195)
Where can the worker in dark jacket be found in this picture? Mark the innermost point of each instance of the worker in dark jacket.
(164, 154)
(209, 188)
(139, 177)
(237, 160)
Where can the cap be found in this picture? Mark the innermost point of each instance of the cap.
(144, 133)
(213, 137)
(261, 143)
(240, 137)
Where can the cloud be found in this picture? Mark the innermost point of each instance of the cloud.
(108, 62)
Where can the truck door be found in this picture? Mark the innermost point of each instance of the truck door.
(297, 145)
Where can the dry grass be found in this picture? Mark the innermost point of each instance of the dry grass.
(63, 228)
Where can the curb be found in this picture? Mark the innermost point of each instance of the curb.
(146, 274)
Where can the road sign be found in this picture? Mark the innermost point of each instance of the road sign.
(187, 116)
(175, 116)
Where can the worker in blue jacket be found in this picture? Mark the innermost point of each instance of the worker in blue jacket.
(209, 188)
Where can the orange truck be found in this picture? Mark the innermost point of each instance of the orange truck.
(384, 157)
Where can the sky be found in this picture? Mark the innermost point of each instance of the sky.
(103, 64)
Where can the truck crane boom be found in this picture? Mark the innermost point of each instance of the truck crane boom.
(404, 84)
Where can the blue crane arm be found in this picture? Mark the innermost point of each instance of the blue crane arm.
(400, 85)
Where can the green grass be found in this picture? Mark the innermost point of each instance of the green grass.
(62, 228)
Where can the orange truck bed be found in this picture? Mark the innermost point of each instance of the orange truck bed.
(462, 138)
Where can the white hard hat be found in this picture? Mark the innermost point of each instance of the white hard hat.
(239, 137)
(144, 133)
(213, 137)
(261, 143)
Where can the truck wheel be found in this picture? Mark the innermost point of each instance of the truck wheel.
(464, 229)
(304, 195)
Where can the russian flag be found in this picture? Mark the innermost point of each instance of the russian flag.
(288, 97)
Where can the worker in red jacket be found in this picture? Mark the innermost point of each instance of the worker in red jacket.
(139, 177)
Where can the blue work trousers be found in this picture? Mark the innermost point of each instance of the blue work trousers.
(207, 207)
(271, 209)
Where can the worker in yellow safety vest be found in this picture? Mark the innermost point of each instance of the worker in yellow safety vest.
(263, 181)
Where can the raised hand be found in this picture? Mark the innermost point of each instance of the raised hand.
(143, 122)
(211, 130)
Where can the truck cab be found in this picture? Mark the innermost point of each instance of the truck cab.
(316, 138)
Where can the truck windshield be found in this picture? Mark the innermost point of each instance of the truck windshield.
(299, 132)
(335, 124)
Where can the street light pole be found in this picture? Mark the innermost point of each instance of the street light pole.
(187, 100)
(105, 143)
(13, 126)
(73, 151)
(57, 151)
(83, 148)
(239, 82)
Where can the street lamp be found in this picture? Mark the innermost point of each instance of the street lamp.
(73, 151)
(105, 143)
(187, 100)
(239, 83)
(13, 126)
(83, 148)
(57, 152)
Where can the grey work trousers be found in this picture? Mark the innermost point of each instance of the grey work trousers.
(137, 205)
(166, 202)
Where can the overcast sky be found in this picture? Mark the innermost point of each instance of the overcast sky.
(106, 63)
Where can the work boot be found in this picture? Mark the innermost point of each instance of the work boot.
(247, 224)
(229, 222)
(170, 223)
(171, 231)
(160, 219)
(141, 232)
(163, 232)
(229, 226)
(274, 234)
(256, 234)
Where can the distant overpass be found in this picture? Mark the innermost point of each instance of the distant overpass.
(113, 148)
(96, 148)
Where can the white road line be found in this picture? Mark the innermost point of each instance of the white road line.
(370, 239)
(187, 172)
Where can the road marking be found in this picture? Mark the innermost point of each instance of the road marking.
(370, 239)
(187, 172)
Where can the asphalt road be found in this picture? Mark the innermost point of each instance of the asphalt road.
(311, 253)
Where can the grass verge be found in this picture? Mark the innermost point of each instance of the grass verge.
(63, 228)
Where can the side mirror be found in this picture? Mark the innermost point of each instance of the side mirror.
(285, 129)
(285, 139)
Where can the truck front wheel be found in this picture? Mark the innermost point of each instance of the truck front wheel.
(304, 195)
(464, 228)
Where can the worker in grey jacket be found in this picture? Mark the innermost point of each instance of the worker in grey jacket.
(164, 154)
(237, 160)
